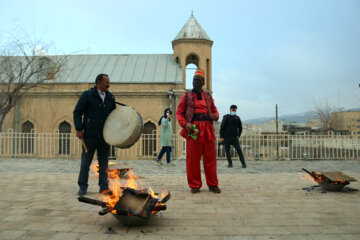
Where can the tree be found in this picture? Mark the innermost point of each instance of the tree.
(24, 65)
(327, 115)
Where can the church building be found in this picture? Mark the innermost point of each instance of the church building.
(147, 82)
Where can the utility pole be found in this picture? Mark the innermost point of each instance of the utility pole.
(277, 132)
(277, 120)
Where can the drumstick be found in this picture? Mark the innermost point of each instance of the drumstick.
(84, 145)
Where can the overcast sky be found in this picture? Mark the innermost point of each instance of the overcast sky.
(291, 53)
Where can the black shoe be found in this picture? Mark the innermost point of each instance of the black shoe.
(230, 165)
(106, 192)
(215, 189)
(82, 192)
(195, 190)
(244, 166)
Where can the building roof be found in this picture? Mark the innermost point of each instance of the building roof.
(192, 30)
(122, 68)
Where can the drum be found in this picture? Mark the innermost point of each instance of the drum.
(123, 127)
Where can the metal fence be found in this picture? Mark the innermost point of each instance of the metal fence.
(255, 147)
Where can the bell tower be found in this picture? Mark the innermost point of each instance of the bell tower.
(193, 45)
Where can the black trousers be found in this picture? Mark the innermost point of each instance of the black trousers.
(103, 149)
(166, 149)
(235, 143)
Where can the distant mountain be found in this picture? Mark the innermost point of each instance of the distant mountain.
(354, 109)
(298, 118)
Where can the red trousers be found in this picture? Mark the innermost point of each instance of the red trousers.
(194, 151)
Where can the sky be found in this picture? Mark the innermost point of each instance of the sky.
(296, 54)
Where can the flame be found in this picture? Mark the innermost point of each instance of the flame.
(306, 177)
(163, 194)
(131, 180)
(152, 193)
(155, 209)
(117, 187)
(340, 180)
(95, 168)
(318, 177)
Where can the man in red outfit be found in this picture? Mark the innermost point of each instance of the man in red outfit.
(197, 108)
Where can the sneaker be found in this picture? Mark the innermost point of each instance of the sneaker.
(82, 192)
(171, 164)
(106, 192)
(244, 166)
(195, 190)
(215, 189)
(230, 165)
(159, 162)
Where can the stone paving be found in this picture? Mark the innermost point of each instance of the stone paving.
(265, 201)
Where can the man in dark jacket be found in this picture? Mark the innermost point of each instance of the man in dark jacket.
(230, 131)
(90, 114)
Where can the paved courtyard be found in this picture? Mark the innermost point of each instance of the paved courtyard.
(268, 200)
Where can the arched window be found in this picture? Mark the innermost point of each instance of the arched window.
(149, 139)
(27, 141)
(190, 71)
(64, 138)
(192, 63)
(192, 58)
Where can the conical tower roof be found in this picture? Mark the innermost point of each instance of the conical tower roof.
(192, 30)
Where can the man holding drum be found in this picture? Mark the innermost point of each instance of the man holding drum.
(195, 114)
(90, 114)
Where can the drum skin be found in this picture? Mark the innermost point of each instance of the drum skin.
(123, 127)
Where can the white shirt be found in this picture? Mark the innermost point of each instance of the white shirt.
(102, 95)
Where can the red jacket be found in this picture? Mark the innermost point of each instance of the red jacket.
(188, 105)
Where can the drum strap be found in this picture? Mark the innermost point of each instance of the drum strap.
(120, 104)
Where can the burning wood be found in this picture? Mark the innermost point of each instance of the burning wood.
(331, 181)
(128, 203)
(132, 202)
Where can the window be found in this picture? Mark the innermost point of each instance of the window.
(64, 138)
(27, 140)
(149, 139)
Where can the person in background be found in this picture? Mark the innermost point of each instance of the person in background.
(166, 136)
(230, 131)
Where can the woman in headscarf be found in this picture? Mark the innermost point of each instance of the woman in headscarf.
(165, 137)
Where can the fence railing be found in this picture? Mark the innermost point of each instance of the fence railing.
(255, 147)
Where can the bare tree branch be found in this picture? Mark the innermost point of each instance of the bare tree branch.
(24, 66)
(326, 114)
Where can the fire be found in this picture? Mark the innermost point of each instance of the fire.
(117, 184)
(131, 180)
(321, 178)
(152, 193)
(95, 168)
(163, 194)
(340, 180)
(306, 177)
